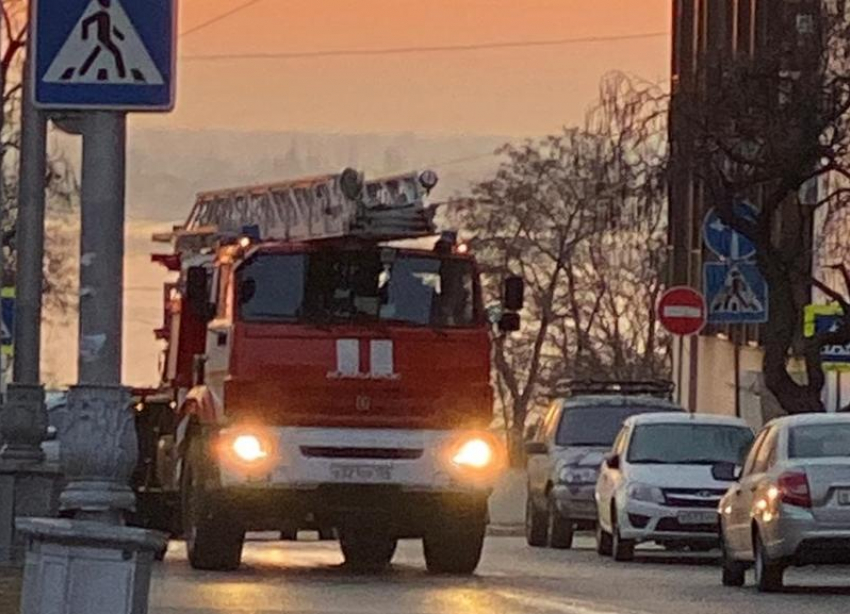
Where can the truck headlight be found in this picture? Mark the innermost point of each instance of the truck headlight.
(578, 475)
(645, 492)
(474, 453)
(475, 456)
(246, 448)
(249, 448)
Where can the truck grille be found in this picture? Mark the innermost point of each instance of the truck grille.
(362, 453)
(693, 497)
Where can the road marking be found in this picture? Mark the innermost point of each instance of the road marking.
(560, 605)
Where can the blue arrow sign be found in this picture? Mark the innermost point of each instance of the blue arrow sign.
(724, 241)
(104, 54)
(736, 293)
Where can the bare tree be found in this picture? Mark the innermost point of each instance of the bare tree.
(61, 182)
(570, 214)
(770, 127)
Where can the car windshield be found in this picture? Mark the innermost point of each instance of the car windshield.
(597, 426)
(345, 286)
(689, 444)
(819, 441)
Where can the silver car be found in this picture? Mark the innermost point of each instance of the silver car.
(790, 505)
(564, 457)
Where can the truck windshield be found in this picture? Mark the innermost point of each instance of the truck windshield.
(346, 286)
(689, 444)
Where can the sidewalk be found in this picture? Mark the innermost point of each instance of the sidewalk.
(10, 590)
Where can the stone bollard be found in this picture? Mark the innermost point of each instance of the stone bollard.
(92, 564)
(29, 487)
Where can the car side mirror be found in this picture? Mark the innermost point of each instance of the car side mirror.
(612, 461)
(726, 472)
(536, 448)
(514, 293)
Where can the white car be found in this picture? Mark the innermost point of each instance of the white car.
(656, 485)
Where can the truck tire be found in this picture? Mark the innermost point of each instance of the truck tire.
(454, 547)
(367, 549)
(213, 540)
(536, 525)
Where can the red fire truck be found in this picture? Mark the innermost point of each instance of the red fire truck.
(324, 369)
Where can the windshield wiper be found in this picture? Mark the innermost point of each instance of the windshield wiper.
(651, 461)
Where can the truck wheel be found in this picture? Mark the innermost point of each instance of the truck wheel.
(366, 549)
(213, 541)
(560, 529)
(454, 547)
(536, 526)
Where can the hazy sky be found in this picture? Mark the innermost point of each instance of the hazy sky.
(503, 91)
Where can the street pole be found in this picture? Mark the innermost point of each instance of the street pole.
(28, 486)
(98, 477)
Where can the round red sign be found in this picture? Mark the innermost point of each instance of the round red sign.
(682, 311)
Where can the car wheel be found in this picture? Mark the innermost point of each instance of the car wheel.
(623, 549)
(560, 529)
(734, 572)
(536, 525)
(769, 573)
(603, 541)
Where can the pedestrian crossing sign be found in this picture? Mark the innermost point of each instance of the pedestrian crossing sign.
(104, 54)
(7, 322)
(736, 293)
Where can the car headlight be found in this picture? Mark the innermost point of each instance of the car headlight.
(578, 475)
(645, 492)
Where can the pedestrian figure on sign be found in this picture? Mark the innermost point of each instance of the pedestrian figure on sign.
(106, 34)
(737, 296)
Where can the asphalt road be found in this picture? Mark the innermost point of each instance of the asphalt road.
(306, 578)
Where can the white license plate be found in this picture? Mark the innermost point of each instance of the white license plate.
(360, 473)
(844, 497)
(697, 517)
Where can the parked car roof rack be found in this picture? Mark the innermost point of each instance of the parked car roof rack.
(656, 388)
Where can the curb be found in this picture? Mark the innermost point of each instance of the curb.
(506, 530)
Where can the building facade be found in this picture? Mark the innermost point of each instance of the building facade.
(720, 371)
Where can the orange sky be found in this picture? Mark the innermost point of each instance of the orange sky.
(510, 92)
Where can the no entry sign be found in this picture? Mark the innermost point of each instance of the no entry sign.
(681, 311)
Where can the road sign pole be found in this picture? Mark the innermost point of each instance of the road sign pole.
(680, 395)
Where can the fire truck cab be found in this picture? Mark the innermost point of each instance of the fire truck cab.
(334, 380)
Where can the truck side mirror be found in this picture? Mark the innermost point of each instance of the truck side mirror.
(197, 292)
(514, 293)
(509, 322)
